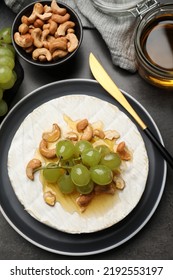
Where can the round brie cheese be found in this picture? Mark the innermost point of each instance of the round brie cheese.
(107, 211)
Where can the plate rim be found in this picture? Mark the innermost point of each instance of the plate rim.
(145, 221)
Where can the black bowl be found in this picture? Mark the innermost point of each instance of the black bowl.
(28, 57)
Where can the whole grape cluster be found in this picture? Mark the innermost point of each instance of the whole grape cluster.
(7, 63)
(81, 166)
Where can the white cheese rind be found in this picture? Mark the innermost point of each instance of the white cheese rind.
(27, 139)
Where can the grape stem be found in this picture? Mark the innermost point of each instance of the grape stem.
(52, 166)
(57, 165)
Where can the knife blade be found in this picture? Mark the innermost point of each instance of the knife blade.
(108, 84)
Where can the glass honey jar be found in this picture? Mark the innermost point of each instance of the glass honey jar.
(153, 39)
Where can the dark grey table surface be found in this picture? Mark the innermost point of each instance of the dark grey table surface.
(155, 240)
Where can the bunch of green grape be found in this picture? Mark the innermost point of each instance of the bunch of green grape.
(81, 166)
(7, 62)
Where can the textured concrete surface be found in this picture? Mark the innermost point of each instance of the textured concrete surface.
(155, 240)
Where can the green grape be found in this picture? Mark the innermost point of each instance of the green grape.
(65, 184)
(1, 94)
(111, 160)
(81, 146)
(101, 174)
(10, 83)
(5, 35)
(67, 163)
(7, 61)
(80, 175)
(4, 51)
(90, 157)
(103, 149)
(65, 149)
(86, 189)
(8, 46)
(52, 174)
(3, 108)
(5, 74)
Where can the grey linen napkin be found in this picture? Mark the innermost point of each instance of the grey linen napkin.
(117, 31)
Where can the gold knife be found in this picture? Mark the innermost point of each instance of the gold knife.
(107, 83)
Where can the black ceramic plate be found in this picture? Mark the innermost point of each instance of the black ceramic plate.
(77, 244)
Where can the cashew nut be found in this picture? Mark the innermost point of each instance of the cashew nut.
(72, 136)
(23, 41)
(29, 49)
(41, 52)
(60, 19)
(31, 166)
(83, 200)
(72, 42)
(47, 9)
(119, 183)
(45, 16)
(123, 151)
(59, 54)
(53, 27)
(61, 31)
(23, 28)
(49, 198)
(36, 35)
(56, 9)
(59, 43)
(45, 151)
(99, 133)
(70, 30)
(107, 189)
(111, 134)
(81, 125)
(38, 23)
(87, 134)
(53, 135)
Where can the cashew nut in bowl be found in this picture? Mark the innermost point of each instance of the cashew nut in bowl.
(60, 19)
(45, 16)
(23, 41)
(59, 43)
(54, 135)
(72, 42)
(38, 23)
(23, 28)
(31, 166)
(41, 52)
(59, 54)
(61, 31)
(53, 27)
(36, 35)
(56, 9)
(45, 151)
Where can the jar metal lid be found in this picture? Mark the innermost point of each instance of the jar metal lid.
(125, 7)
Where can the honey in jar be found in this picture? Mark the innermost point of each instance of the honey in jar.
(154, 46)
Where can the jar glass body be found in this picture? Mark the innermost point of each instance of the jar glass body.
(117, 7)
(154, 46)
